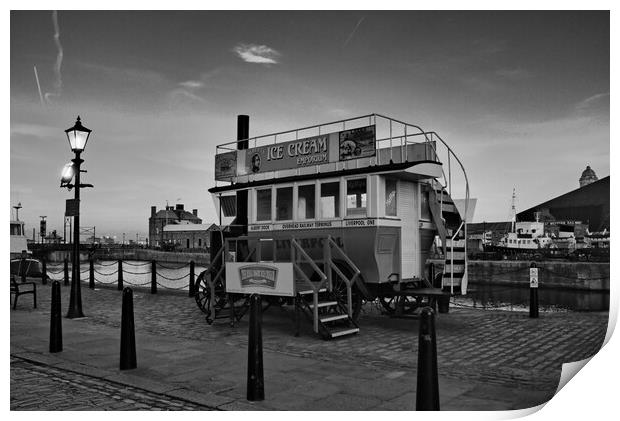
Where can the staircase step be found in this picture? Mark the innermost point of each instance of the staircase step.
(334, 318)
(309, 291)
(324, 304)
(343, 332)
(455, 275)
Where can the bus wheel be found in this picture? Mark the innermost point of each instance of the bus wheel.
(408, 304)
(203, 295)
(340, 293)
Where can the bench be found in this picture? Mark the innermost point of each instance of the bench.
(17, 288)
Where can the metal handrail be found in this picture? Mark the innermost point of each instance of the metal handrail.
(232, 145)
(309, 260)
(315, 290)
(349, 282)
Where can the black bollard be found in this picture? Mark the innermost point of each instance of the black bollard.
(153, 277)
(256, 381)
(128, 334)
(66, 271)
(91, 274)
(55, 320)
(192, 276)
(43, 272)
(120, 275)
(533, 291)
(427, 391)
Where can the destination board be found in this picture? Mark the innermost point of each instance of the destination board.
(348, 223)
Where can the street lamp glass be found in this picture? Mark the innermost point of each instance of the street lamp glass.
(78, 136)
(67, 173)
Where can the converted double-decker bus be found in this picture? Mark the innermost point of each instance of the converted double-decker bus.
(328, 216)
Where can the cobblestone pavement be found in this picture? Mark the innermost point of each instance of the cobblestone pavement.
(43, 388)
(499, 347)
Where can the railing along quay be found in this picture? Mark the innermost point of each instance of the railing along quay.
(100, 275)
(158, 275)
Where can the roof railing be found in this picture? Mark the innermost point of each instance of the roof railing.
(382, 124)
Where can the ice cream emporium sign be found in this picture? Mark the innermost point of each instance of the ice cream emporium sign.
(261, 278)
(297, 153)
(322, 149)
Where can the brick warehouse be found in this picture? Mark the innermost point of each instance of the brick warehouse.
(188, 236)
(170, 215)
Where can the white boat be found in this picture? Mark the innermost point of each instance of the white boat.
(18, 239)
(22, 262)
(526, 236)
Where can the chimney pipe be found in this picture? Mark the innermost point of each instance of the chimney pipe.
(195, 212)
(241, 220)
(153, 211)
(243, 131)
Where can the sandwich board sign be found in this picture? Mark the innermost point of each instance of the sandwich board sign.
(260, 278)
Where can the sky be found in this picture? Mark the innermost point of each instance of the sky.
(521, 97)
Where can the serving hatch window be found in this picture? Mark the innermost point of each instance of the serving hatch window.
(305, 201)
(330, 200)
(284, 203)
(356, 197)
(263, 205)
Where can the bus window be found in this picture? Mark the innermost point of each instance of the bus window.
(305, 202)
(263, 205)
(390, 197)
(356, 197)
(425, 210)
(330, 200)
(284, 203)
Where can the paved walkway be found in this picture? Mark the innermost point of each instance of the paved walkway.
(488, 360)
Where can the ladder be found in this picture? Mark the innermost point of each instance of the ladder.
(451, 228)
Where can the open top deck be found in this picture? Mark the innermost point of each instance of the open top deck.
(368, 143)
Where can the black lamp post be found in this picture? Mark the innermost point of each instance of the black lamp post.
(77, 136)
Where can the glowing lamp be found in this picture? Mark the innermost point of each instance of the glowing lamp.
(78, 136)
(67, 174)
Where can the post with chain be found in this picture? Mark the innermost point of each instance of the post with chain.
(43, 272)
(533, 291)
(66, 267)
(120, 275)
(91, 274)
(153, 277)
(192, 278)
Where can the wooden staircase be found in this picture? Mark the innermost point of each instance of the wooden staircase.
(333, 318)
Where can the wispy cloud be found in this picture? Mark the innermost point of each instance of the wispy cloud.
(180, 94)
(260, 54)
(143, 77)
(350, 37)
(488, 46)
(57, 66)
(515, 74)
(192, 84)
(592, 101)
